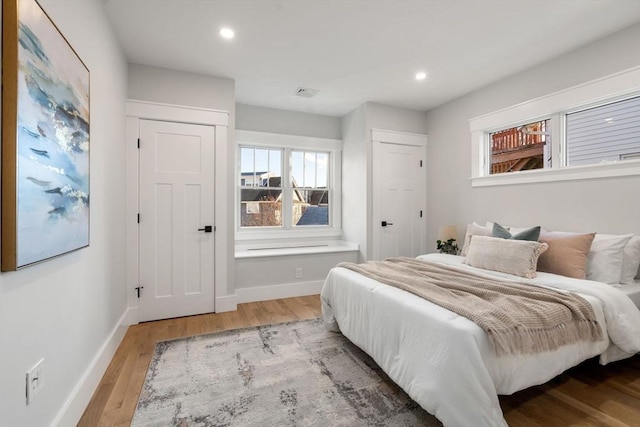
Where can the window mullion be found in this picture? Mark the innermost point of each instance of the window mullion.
(558, 140)
(287, 193)
(315, 169)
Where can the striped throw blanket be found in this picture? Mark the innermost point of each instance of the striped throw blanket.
(518, 318)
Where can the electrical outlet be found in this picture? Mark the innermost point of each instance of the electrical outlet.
(299, 273)
(35, 381)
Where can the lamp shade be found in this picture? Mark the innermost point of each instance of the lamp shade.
(447, 232)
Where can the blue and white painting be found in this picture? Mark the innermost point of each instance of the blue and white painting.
(53, 141)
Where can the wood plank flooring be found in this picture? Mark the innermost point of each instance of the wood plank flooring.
(587, 395)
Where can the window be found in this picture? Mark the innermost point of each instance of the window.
(309, 179)
(607, 132)
(589, 131)
(260, 187)
(521, 148)
(287, 186)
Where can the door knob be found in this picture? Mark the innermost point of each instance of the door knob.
(385, 223)
(206, 229)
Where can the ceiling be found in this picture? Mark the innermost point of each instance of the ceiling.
(354, 51)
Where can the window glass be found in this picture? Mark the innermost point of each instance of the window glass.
(605, 133)
(260, 187)
(310, 195)
(521, 148)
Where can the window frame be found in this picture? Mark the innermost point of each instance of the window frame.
(555, 106)
(290, 143)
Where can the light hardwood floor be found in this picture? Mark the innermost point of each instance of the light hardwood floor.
(588, 395)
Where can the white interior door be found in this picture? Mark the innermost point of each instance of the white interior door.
(399, 198)
(176, 206)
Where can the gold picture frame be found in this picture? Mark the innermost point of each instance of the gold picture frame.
(45, 139)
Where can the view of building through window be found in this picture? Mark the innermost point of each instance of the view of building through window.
(521, 148)
(262, 188)
(609, 132)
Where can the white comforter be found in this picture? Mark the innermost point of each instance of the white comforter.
(445, 362)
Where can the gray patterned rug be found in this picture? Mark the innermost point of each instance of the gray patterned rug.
(291, 374)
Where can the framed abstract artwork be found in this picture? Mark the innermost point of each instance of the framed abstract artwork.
(45, 139)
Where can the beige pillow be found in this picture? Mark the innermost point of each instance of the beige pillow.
(518, 257)
(567, 254)
(474, 230)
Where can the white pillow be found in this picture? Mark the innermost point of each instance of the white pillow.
(516, 230)
(473, 230)
(605, 257)
(519, 257)
(630, 261)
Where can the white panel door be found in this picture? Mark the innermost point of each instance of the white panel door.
(176, 206)
(399, 197)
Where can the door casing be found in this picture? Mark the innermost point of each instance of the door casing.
(225, 299)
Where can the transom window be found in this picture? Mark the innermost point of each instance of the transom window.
(603, 133)
(608, 132)
(589, 131)
(520, 148)
(287, 187)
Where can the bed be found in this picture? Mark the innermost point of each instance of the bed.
(445, 362)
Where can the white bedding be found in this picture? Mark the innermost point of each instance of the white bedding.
(445, 362)
(632, 291)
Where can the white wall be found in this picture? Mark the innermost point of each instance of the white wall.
(357, 166)
(65, 309)
(196, 90)
(262, 119)
(266, 278)
(609, 205)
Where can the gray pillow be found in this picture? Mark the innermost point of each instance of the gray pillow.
(531, 234)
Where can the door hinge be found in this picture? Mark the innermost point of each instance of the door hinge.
(138, 143)
(138, 289)
(420, 214)
(420, 163)
(138, 218)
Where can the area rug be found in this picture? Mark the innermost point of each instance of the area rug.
(290, 374)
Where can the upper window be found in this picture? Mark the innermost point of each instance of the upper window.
(521, 148)
(287, 183)
(589, 131)
(607, 132)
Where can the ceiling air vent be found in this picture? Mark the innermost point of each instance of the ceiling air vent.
(306, 92)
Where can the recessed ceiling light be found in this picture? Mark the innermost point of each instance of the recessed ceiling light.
(226, 33)
(421, 75)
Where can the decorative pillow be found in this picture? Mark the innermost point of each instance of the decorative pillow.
(604, 262)
(567, 254)
(530, 234)
(473, 230)
(518, 257)
(630, 261)
(489, 225)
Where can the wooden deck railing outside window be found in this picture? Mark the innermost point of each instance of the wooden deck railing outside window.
(518, 148)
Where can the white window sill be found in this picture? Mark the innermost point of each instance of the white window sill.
(596, 171)
(293, 248)
(307, 232)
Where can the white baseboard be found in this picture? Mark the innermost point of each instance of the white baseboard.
(286, 290)
(131, 317)
(76, 403)
(226, 303)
